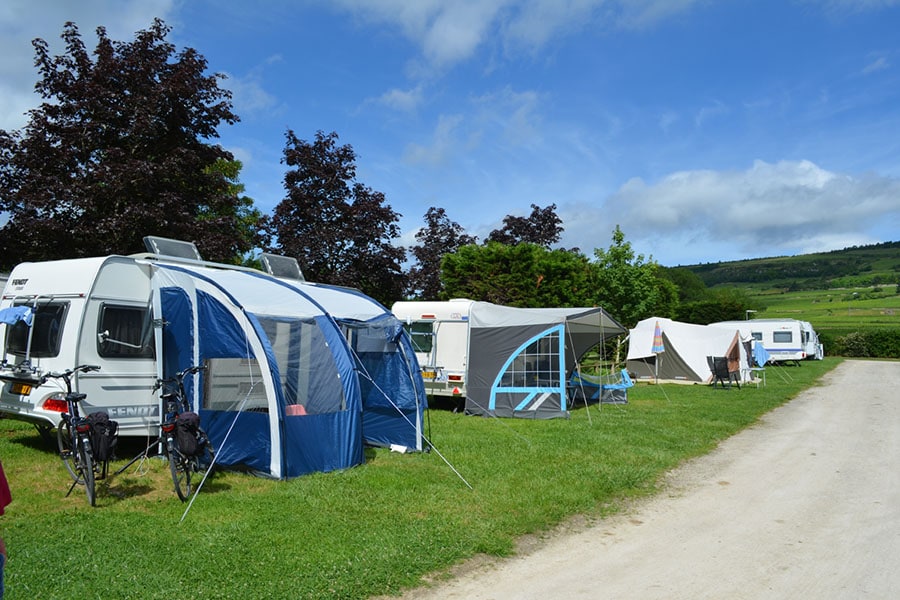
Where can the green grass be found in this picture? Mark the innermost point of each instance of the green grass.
(375, 529)
(836, 311)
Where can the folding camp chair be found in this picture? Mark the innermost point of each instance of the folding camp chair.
(721, 374)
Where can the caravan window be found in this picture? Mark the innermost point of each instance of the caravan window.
(124, 332)
(782, 337)
(422, 335)
(45, 332)
(756, 335)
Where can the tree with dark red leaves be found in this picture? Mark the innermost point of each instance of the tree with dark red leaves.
(338, 229)
(120, 149)
(438, 238)
(542, 227)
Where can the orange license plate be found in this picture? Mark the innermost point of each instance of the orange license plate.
(22, 389)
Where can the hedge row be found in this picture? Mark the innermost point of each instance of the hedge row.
(877, 343)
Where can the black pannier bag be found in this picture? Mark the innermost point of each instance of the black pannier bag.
(104, 435)
(187, 433)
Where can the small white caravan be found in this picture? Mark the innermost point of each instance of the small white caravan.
(86, 311)
(440, 336)
(786, 340)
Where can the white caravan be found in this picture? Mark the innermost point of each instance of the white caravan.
(784, 339)
(89, 311)
(440, 337)
(85, 311)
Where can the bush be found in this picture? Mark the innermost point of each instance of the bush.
(881, 343)
(884, 343)
(855, 344)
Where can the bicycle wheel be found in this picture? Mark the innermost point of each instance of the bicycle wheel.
(64, 439)
(180, 468)
(86, 468)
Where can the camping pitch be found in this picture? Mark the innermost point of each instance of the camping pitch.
(682, 356)
(289, 387)
(520, 359)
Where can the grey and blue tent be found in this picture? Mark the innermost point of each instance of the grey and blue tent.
(520, 359)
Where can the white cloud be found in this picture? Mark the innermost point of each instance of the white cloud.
(22, 20)
(445, 142)
(447, 32)
(247, 91)
(402, 100)
(511, 115)
(451, 32)
(710, 112)
(879, 64)
(769, 209)
(642, 14)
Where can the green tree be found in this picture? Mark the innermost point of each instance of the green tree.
(720, 304)
(438, 238)
(629, 286)
(523, 275)
(248, 218)
(339, 230)
(119, 150)
(690, 287)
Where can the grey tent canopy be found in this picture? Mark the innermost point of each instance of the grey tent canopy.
(520, 359)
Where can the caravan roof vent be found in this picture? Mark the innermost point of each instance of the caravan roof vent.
(281, 266)
(168, 247)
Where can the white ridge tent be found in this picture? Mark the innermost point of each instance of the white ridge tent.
(686, 347)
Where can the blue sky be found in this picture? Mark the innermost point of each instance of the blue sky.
(707, 130)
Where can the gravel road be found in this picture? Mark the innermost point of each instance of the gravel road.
(805, 504)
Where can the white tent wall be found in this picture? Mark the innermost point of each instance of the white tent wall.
(686, 347)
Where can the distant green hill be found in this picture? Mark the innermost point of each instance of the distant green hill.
(858, 266)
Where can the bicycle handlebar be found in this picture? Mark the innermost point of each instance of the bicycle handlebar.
(69, 372)
(179, 377)
(191, 371)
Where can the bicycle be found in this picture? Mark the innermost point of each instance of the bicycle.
(186, 445)
(73, 436)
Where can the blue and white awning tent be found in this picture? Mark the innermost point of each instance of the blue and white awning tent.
(390, 379)
(282, 394)
(520, 359)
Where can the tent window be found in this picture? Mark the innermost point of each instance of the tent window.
(782, 337)
(366, 339)
(309, 375)
(124, 332)
(47, 328)
(536, 366)
(233, 384)
(422, 335)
